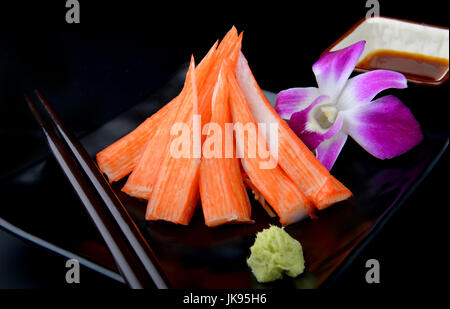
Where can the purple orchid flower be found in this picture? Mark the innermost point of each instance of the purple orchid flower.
(324, 117)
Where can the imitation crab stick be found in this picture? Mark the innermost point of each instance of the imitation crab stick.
(293, 156)
(283, 195)
(258, 196)
(141, 180)
(176, 190)
(120, 158)
(228, 50)
(223, 195)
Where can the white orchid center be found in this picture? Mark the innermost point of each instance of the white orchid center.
(327, 115)
(323, 117)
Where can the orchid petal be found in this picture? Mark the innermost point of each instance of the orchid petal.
(328, 151)
(333, 69)
(305, 126)
(363, 88)
(293, 100)
(385, 127)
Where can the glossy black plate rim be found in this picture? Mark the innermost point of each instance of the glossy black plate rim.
(30, 238)
(380, 223)
(329, 282)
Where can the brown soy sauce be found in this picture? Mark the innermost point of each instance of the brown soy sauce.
(413, 65)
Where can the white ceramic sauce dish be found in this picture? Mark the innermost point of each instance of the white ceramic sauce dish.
(400, 36)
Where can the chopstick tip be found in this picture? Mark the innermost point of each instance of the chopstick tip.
(39, 94)
(27, 98)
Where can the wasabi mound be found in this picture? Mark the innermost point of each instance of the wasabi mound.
(275, 252)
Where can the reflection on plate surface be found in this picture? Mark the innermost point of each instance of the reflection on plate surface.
(196, 256)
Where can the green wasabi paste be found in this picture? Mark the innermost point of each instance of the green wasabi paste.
(275, 252)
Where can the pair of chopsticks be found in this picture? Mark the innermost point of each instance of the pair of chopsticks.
(133, 256)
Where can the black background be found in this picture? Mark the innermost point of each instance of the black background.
(123, 51)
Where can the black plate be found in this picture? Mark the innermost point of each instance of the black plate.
(196, 256)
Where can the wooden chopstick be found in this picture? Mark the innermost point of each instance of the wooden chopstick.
(133, 256)
(116, 208)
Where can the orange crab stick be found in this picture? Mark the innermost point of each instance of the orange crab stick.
(222, 191)
(228, 49)
(176, 189)
(141, 180)
(120, 158)
(293, 156)
(277, 188)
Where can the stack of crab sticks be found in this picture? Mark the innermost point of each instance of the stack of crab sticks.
(217, 138)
